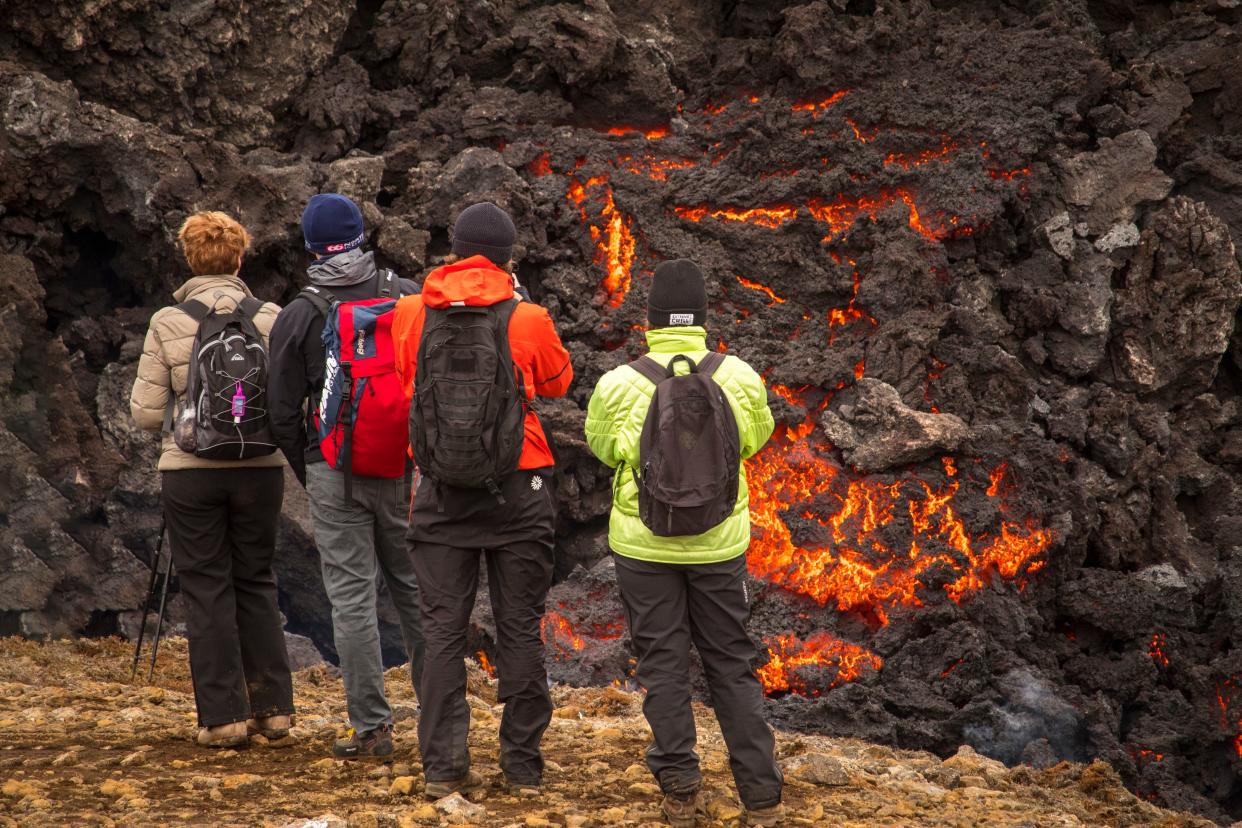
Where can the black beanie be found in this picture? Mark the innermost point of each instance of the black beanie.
(678, 295)
(484, 229)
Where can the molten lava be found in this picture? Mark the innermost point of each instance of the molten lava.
(649, 134)
(657, 169)
(815, 107)
(787, 656)
(485, 663)
(770, 217)
(840, 214)
(854, 566)
(918, 159)
(762, 288)
(1224, 698)
(556, 629)
(614, 240)
(1155, 649)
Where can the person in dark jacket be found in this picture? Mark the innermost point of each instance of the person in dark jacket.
(452, 529)
(364, 535)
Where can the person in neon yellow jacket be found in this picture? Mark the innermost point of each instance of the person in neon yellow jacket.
(614, 424)
(688, 589)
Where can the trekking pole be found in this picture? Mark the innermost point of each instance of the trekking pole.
(146, 604)
(159, 622)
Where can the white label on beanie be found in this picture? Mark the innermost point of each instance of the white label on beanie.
(681, 319)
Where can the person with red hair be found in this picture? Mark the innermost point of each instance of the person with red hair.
(222, 515)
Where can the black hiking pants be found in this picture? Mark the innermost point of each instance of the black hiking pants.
(222, 527)
(668, 607)
(450, 531)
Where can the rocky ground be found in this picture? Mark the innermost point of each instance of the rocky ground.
(80, 744)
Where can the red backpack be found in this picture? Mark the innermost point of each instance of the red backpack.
(361, 414)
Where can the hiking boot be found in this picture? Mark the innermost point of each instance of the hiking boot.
(374, 744)
(231, 735)
(770, 816)
(270, 727)
(468, 784)
(523, 788)
(680, 809)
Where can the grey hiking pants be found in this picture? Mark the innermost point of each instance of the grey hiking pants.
(357, 541)
(669, 606)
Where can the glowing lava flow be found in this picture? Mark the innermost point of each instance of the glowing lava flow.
(614, 241)
(840, 317)
(787, 655)
(839, 214)
(918, 159)
(485, 663)
(1224, 697)
(762, 288)
(853, 564)
(649, 134)
(770, 217)
(556, 629)
(815, 107)
(1155, 650)
(657, 169)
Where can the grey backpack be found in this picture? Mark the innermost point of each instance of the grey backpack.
(689, 452)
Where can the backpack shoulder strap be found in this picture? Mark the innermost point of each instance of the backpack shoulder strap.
(321, 298)
(250, 307)
(388, 286)
(195, 309)
(650, 369)
(708, 364)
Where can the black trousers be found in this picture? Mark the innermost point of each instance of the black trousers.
(668, 607)
(222, 527)
(519, 574)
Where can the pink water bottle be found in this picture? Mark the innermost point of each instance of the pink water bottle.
(239, 403)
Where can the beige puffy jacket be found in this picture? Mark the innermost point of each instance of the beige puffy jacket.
(164, 366)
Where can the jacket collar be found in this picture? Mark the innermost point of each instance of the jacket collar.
(677, 340)
(201, 284)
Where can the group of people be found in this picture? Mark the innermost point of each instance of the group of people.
(404, 409)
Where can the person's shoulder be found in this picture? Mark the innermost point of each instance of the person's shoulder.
(266, 318)
(737, 371)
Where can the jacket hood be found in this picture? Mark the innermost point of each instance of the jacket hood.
(677, 340)
(352, 267)
(474, 282)
(201, 283)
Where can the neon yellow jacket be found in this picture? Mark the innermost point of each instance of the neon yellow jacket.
(614, 425)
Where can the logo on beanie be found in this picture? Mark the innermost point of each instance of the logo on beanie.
(339, 247)
(681, 319)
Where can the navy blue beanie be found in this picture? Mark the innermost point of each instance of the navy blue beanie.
(332, 224)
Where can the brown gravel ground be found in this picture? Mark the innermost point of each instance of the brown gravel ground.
(81, 745)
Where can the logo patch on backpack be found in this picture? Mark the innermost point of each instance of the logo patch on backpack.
(536, 483)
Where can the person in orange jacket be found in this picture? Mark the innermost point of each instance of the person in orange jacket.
(513, 525)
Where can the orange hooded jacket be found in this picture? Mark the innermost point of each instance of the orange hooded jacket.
(533, 341)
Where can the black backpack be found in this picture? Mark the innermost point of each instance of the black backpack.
(689, 452)
(224, 414)
(467, 419)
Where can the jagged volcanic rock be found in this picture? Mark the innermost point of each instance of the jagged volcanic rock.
(986, 248)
